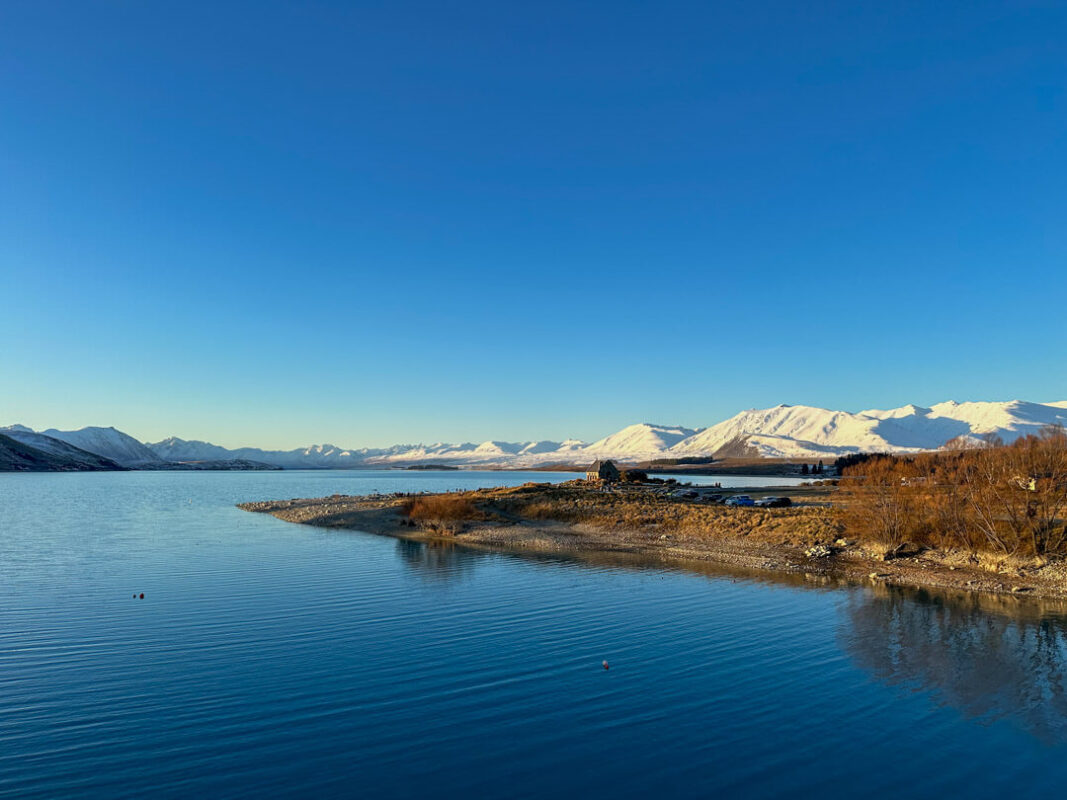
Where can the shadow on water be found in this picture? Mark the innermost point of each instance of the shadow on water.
(988, 657)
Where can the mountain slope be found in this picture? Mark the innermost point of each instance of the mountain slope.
(65, 453)
(640, 441)
(17, 456)
(175, 449)
(1008, 420)
(805, 431)
(109, 443)
(787, 431)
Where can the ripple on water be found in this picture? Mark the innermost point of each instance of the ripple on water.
(274, 658)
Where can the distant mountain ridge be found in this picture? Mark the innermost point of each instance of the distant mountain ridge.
(781, 431)
(98, 449)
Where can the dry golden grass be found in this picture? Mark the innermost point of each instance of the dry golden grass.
(441, 511)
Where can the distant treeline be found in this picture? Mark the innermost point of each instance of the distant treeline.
(852, 459)
(1009, 499)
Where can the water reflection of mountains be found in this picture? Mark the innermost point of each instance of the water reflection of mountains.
(989, 657)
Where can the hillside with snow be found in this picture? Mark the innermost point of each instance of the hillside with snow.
(107, 442)
(75, 457)
(24, 450)
(637, 442)
(805, 431)
(782, 431)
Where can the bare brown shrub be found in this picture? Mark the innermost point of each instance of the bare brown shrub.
(1006, 499)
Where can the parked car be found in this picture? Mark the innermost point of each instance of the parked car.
(774, 502)
(740, 500)
(684, 494)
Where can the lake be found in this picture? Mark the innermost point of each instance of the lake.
(735, 481)
(271, 659)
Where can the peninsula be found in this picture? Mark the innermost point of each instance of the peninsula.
(667, 523)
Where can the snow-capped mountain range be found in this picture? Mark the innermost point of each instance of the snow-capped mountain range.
(782, 431)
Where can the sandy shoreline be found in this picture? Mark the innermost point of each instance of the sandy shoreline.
(847, 560)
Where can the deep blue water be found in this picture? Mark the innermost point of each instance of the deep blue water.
(270, 659)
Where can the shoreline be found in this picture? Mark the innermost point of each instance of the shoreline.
(790, 541)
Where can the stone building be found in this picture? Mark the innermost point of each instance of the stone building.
(602, 471)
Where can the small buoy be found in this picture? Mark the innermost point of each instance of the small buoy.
(134, 595)
(142, 597)
(605, 663)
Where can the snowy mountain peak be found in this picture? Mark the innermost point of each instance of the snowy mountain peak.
(893, 413)
(109, 443)
(16, 428)
(498, 448)
(544, 446)
(642, 439)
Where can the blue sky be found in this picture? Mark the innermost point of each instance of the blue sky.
(363, 223)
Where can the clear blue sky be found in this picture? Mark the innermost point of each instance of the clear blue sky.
(283, 223)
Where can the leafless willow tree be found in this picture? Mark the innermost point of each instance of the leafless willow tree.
(1009, 499)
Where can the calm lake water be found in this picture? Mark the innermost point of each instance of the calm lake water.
(735, 481)
(270, 659)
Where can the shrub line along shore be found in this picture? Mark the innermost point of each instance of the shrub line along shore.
(658, 525)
